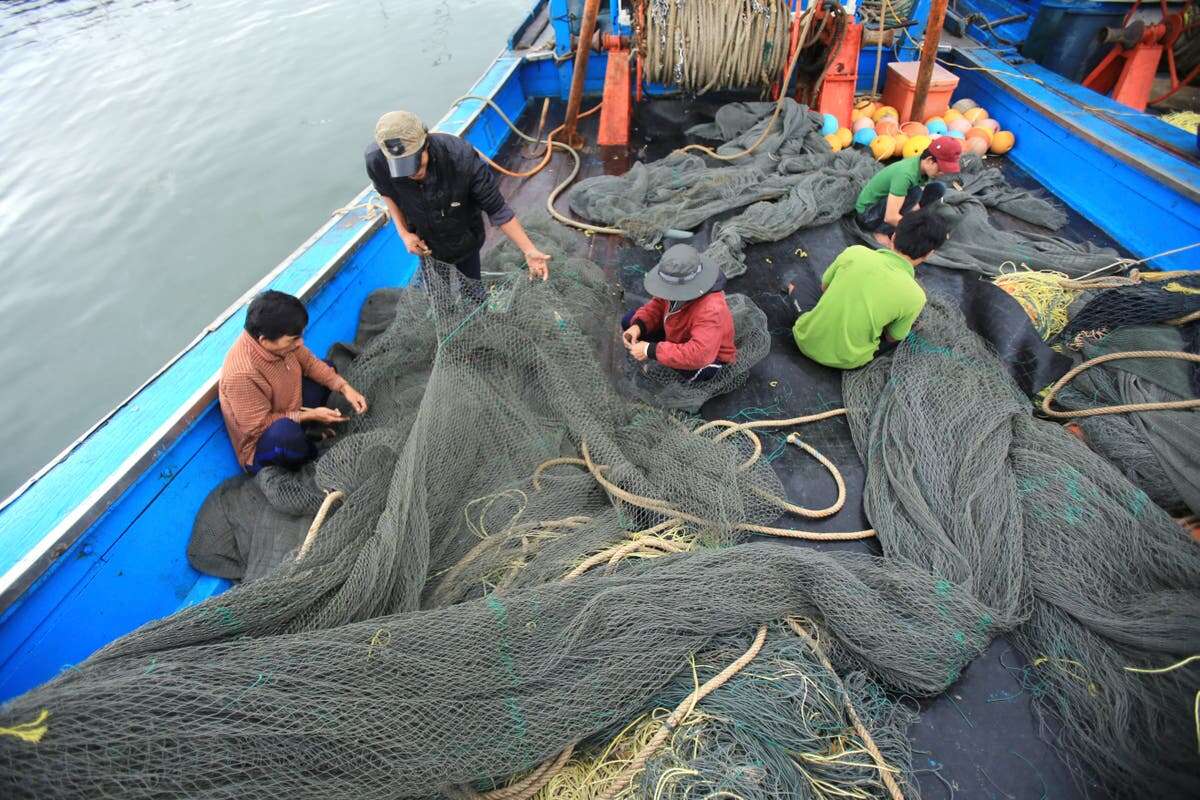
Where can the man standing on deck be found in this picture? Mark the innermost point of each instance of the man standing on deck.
(906, 186)
(870, 298)
(436, 189)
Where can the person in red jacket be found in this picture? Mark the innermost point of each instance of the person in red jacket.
(687, 325)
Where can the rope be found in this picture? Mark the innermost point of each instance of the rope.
(1122, 409)
(805, 23)
(885, 771)
(30, 732)
(1172, 668)
(681, 711)
(715, 44)
(318, 521)
(551, 144)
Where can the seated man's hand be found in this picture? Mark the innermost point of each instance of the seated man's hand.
(355, 398)
(325, 416)
(640, 350)
(631, 335)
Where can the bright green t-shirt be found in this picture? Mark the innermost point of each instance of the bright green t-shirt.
(894, 179)
(867, 292)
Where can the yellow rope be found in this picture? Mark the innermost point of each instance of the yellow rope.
(1162, 670)
(31, 731)
(1172, 668)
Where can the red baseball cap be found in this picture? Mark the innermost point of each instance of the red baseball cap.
(947, 151)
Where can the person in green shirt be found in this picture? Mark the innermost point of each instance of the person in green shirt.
(905, 186)
(868, 296)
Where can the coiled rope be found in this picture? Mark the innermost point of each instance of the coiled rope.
(1122, 409)
(702, 45)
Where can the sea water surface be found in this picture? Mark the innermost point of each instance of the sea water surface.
(157, 157)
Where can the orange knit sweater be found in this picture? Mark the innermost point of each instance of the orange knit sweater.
(258, 387)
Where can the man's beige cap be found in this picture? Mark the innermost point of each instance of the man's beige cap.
(401, 136)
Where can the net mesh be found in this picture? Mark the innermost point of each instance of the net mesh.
(487, 596)
(1091, 575)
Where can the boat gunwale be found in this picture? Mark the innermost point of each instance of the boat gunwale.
(40, 557)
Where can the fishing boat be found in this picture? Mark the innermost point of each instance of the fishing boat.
(94, 545)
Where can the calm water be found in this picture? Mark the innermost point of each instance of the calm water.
(157, 158)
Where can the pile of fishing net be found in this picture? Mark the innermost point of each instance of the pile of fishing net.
(533, 584)
(791, 180)
(1157, 450)
(980, 245)
(1092, 577)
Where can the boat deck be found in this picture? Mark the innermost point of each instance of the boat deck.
(983, 739)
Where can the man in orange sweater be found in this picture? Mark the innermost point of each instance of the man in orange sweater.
(687, 326)
(271, 384)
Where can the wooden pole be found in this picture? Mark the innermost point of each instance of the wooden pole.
(933, 34)
(582, 50)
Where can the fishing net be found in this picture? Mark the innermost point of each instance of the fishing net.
(1170, 296)
(792, 180)
(662, 386)
(1156, 450)
(979, 245)
(1094, 577)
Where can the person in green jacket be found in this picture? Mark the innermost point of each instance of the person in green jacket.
(906, 186)
(870, 298)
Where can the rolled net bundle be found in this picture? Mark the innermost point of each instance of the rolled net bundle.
(456, 695)
(962, 479)
(791, 180)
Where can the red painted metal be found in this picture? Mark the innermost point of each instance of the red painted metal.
(1127, 71)
(617, 109)
(837, 92)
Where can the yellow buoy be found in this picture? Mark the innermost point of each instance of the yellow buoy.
(883, 147)
(900, 140)
(885, 111)
(834, 141)
(974, 115)
(916, 145)
(845, 137)
(951, 115)
(1002, 142)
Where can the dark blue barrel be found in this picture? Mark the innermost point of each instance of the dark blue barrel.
(1065, 35)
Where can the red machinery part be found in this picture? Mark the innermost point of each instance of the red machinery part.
(1129, 69)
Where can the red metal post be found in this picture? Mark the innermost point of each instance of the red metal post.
(582, 50)
(933, 35)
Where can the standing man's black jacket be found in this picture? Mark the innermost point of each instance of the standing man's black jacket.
(445, 208)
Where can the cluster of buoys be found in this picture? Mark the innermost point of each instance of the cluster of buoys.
(877, 127)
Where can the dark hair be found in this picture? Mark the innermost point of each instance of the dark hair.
(274, 314)
(927, 153)
(921, 232)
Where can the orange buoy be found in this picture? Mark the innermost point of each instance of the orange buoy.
(916, 145)
(982, 133)
(1002, 142)
(845, 137)
(886, 128)
(885, 111)
(883, 147)
(977, 145)
(835, 141)
(900, 139)
(913, 128)
(950, 116)
(974, 115)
